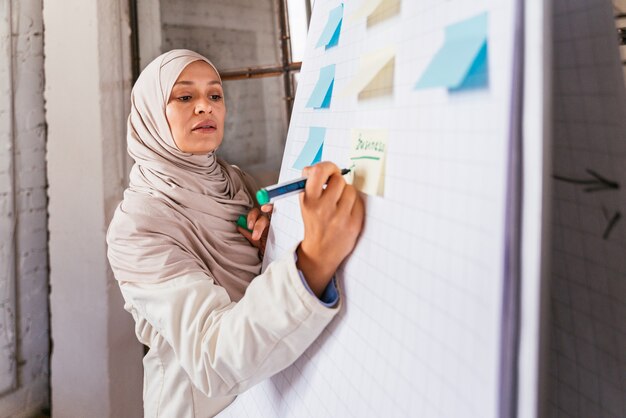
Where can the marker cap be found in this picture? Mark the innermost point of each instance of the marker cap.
(243, 222)
(262, 197)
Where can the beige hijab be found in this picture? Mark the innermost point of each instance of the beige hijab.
(179, 212)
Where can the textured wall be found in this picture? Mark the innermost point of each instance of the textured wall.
(8, 377)
(23, 193)
(95, 365)
(237, 34)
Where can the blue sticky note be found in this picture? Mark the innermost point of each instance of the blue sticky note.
(326, 102)
(330, 34)
(318, 156)
(312, 151)
(323, 91)
(335, 39)
(462, 62)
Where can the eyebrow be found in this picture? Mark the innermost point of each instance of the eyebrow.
(189, 83)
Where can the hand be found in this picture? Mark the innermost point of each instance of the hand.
(259, 223)
(333, 218)
(267, 209)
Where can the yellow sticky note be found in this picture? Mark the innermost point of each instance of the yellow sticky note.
(375, 75)
(375, 11)
(367, 154)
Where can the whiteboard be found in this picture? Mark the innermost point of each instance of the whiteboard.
(419, 332)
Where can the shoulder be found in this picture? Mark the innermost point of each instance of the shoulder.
(140, 214)
(144, 241)
(138, 205)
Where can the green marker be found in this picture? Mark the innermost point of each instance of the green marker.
(243, 222)
(271, 193)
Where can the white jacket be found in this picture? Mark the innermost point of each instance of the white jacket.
(205, 349)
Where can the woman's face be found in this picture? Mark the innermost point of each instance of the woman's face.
(195, 110)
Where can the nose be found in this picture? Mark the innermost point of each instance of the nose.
(203, 106)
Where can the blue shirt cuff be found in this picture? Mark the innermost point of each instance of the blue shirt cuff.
(330, 296)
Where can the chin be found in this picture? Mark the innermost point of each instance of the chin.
(206, 147)
(203, 151)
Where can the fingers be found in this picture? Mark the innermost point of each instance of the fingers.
(347, 199)
(268, 208)
(257, 224)
(253, 215)
(260, 226)
(318, 175)
(334, 188)
(247, 234)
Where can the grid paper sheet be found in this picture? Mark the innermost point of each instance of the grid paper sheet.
(419, 330)
(588, 342)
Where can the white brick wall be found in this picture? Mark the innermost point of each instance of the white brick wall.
(96, 368)
(28, 157)
(8, 378)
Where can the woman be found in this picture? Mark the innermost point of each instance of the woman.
(191, 279)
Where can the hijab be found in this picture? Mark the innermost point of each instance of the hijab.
(179, 212)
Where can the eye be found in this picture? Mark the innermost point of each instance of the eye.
(215, 97)
(184, 98)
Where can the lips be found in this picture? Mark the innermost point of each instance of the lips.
(205, 126)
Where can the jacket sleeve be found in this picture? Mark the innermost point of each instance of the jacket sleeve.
(227, 347)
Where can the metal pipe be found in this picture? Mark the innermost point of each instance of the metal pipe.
(134, 39)
(259, 72)
(285, 39)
